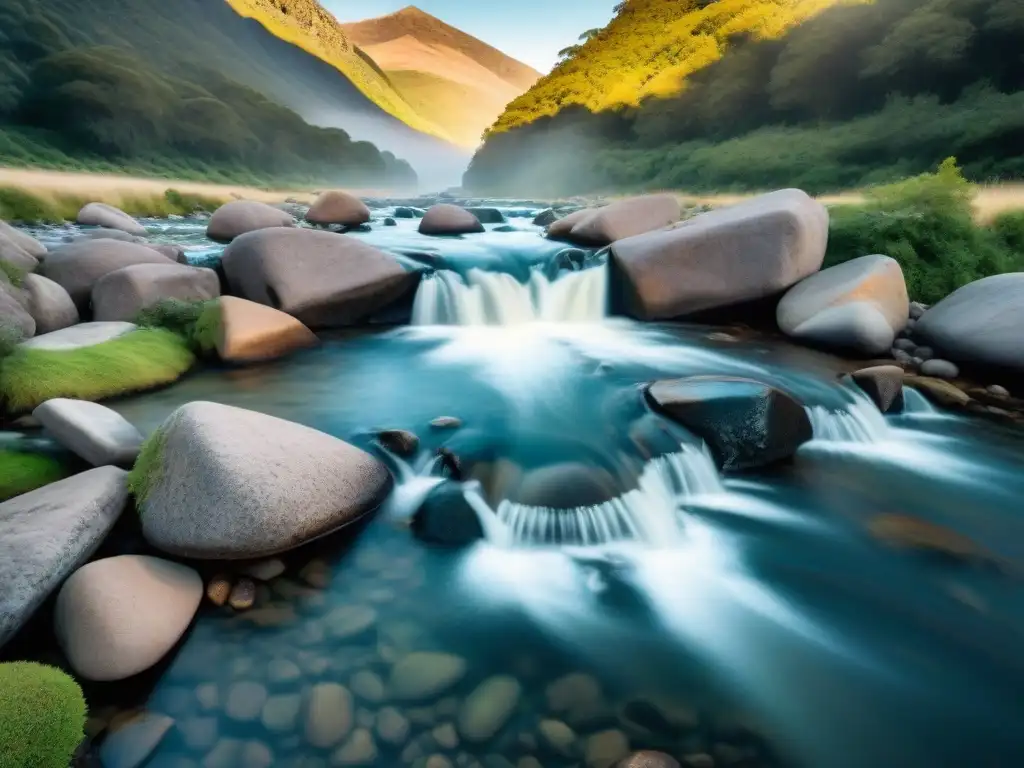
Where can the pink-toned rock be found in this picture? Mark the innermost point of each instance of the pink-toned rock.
(251, 332)
(626, 218)
(337, 207)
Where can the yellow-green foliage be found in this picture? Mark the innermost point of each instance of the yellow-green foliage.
(23, 472)
(17, 204)
(649, 48)
(42, 716)
(207, 329)
(142, 359)
(12, 272)
(148, 466)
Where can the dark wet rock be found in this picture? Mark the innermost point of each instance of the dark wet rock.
(103, 215)
(488, 215)
(390, 222)
(729, 256)
(451, 464)
(48, 304)
(566, 486)
(545, 218)
(326, 280)
(746, 423)
(570, 260)
(626, 218)
(338, 207)
(648, 759)
(904, 345)
(408, 212)
(446, 422)
(883, 384)
(445, 517)
(505, 228)
(47, 533)
(400, 442)
(649, 717)
(447, 219)
(124, 293)
(939, 369)
(238, 217)
(243, 595)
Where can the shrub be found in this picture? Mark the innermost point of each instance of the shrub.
(23, 472)
(142, 359)
(1009, 228)
(42, 716)
(197, 322)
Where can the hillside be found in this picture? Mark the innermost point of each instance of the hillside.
(449, 77)
(732, 95)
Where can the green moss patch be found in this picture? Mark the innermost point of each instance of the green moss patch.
(23, 472)
(13, 272)
(206, 331)
(148, 466)
(42, 716)
(142, 359)
(197, 322)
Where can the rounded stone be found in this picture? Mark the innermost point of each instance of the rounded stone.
(438, 761)
(218, 590)
(359, 749)
(488, 708)
(280, 714)
(940, 369)
(245, 701)
(283, 671)
(368, 686)
(558, 736)
(329, 715)
(446, 736)
(350, 620)
(648, 759)
(392, 726)
(425, 675)
(997, 390)
(338, 207)
(605, 749)
(243, 595)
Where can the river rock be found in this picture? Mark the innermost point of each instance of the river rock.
(859, 305)
(281, 713)
(368, 686)
(400, 442)
(626, 218)
(883, 384)
(23, 240)
(94, 432)
(238, 217)
(746, 423)
(45, 534)
(236, 484)
(117, 617)
(130, 745)
(337, 207)
(245, 701)
(572, 691)
(567, 485)
(751, 250)
(347, 621)
(407, 212)
(124, 293)
(447, 219)
(218, 590)
(48, 303)
(445, 517)
(940, 392)
(249, 332)
(939, 369)
(560, 228)
(243, 595)
(558, 737)
(265, 570)
(425, 675)
(392, 726)
(545, 218)
(488, 708)
(605, 749)
(359, 749)
(79, 266)
(648, 759)
(488, 215)
(14, 254)
(13, 316)
(103, 215)
(979, 323)
(329, 715)
(322, 278)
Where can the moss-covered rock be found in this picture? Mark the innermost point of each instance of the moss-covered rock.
(42, 716)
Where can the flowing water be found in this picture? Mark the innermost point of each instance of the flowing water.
(749, 617)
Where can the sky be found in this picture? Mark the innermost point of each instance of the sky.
(533, 31)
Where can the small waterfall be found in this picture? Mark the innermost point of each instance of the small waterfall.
(497, 298)
(860, 422)
(648, 513)
(916, 404)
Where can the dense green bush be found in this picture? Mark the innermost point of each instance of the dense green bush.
(1009, 228)
(42, 716)
(926, 224)
(196, 322)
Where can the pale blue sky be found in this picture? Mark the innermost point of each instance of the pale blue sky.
(533, 31)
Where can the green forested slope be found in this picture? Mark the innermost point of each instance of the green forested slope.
(189, 86)
(856, 93)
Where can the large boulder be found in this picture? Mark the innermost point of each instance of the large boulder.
(28, 243)
(322, 278)
(337, 207)
(236, 218)
(979, 323)
(78, 266)
(48, 303)
(448, 219)
(119, 616)
(47, 533)
(748, 251)
(14, 254)
(249, 332)
(94, 432)
(746, 423)
(626, 218)
(560, 228)
(123, 293)
(859, 305)
(222, 482)
(13, 315)
(103, 215)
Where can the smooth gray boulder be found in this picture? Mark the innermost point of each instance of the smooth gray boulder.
(78, 266)
(979, 323)
(858, 305)
(322, 278)
(230, 483)
(13, 315)
(47, 533)
(626, 218)
(236, 218)
(28, 243)
(14, 254)
(124, 293)
(103, 215)
(81, 335)
(448, 219)
(338, 207)
(98, 434)
(748, 251)
(48, 303)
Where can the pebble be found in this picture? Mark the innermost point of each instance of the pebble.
(199, 733)
(648, 759)
(438, 761)
(245, 701)
(350, 620)
(558, 736)
(317, 574)
(940, 369)
(329, 716)
(271, 616)
(446, 422)
(906, 345)
(392, 726)
(243, 595)
(265, 570)
(901, 356)
(208, 696)
(423, 716)
(998, 390)
(233, 753)
(218, 590)
(446, 736)
(368, 686)
(283, 671)
(425, 675)
(925, 353)
(604, 749)
(130, 745)
(281, 713)
(400, 442)
(360, 749)
(488, 708)
(917, 309)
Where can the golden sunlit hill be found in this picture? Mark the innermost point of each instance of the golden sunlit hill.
(450, 78)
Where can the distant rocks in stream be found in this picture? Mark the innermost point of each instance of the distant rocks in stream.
(103, 215)
(447, 219)
(238, 217)
(338, 207)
